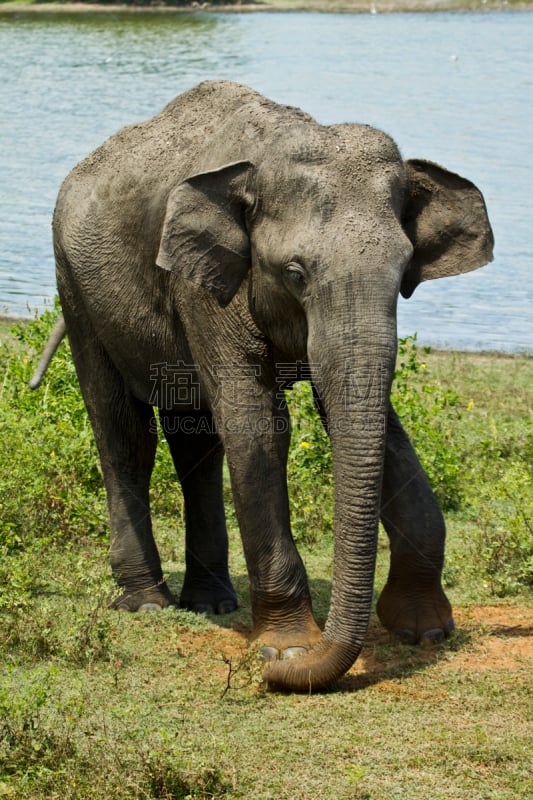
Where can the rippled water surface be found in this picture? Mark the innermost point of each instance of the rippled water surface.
(454, 88)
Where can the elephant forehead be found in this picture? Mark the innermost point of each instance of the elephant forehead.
(325, 169)
(298, 191)
(370, 168)
(302, 195)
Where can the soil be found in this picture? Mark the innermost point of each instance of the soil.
(488, 638)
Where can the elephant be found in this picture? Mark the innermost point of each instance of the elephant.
(206, 260)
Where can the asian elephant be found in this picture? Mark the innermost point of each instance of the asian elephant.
(207, 259)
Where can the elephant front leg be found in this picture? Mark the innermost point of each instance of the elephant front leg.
(256, 441)
(412, 605)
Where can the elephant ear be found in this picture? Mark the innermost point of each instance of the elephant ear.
(204, 236)
(447, 223)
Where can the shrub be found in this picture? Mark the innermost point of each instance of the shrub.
(502, 542)
(309, 469)
(429, 414)
(52, 485)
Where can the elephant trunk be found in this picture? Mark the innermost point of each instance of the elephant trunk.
(353, 381)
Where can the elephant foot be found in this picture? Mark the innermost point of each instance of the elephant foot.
(153, 598)
(415, 616)
(287, 641)
(219, 597)
(218, 607)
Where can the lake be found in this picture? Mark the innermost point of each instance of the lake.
(453, 88)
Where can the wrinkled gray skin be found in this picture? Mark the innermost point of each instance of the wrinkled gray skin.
(235, 241)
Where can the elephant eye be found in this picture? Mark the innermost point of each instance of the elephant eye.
(295, 274)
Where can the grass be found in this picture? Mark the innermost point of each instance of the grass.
(171, 705)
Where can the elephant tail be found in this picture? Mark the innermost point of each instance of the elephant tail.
(56, 337)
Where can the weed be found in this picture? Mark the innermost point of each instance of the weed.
(165, 780)
(242, 672)
(26, 743)
(502, 543)
(53, 485)
(430, 414)
(54, 491)
(309, 468)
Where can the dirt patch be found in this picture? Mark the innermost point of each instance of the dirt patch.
(503, 638)
(227, 642)
(489, 638)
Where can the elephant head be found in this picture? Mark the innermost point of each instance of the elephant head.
(320, 231)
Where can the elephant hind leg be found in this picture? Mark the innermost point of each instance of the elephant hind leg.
(412, 605)
(126, 439)
(198, 456)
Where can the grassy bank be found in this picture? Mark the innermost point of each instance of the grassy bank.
(330, 6)
(99, 704)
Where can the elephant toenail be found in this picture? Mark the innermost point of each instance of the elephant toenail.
(269, 654)
(202, 608)
(293, 652)
(405, 636)
(226, 606)
(149, 607)
(432, 637)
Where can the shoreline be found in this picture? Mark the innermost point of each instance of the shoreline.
(270, 6)
(7, 320)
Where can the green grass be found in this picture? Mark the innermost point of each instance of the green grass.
(99, 704)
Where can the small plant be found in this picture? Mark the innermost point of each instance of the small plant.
(53, 485)
(502, 545)
(429, 414)
(243, 671)
(309, 469)
(167, 780)
(27, 744)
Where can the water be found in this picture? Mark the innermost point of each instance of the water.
(454, 88)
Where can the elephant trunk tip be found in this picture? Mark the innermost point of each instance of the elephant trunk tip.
(325, 663)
